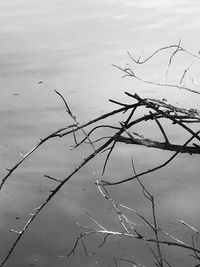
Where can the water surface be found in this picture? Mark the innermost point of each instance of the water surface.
(70, 46)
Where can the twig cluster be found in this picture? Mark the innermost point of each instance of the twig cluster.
(157, 112)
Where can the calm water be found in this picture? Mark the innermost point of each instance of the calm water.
(69, 46)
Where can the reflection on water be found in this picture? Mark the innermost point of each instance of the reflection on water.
(70, 46)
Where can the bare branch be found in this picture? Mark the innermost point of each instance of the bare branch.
(129, 73)
(171, 57)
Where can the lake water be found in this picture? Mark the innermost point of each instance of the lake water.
(70, 46)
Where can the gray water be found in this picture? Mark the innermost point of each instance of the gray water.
(70, 46)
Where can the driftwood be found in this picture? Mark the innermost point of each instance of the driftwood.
(157, 112)
(160, 145)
